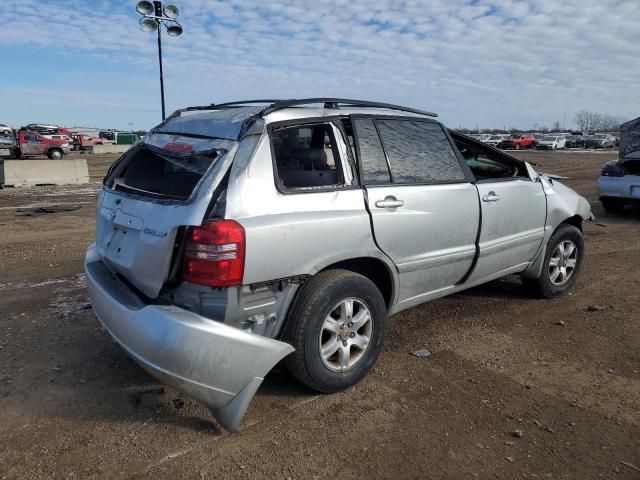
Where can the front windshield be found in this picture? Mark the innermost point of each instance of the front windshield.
(549, 139)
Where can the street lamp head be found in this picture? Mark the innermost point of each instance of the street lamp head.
(148, 25)
(171, 11)
(174, 30)
(145, 8)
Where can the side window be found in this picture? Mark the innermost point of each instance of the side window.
(306, 156)
(486, 166)
(419, 152)
(375, 170)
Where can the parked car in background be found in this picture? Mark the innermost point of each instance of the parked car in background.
(495, 140)
(107, 136)
(5, 130)
(619, 182)
(574, 141)
(81, 141)
(551, 143)
(45, 129)
(64, 138)
(28, 143)
(518, 141)
(216, 252)
(616, 138)
(481, 136)
(8, 148)
(600, 140)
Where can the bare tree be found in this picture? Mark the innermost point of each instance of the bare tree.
(588, 121)
(610, 123)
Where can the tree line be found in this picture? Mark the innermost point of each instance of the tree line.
(588, 121)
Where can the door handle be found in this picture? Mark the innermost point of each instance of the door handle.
(491, 197)
(389, 202)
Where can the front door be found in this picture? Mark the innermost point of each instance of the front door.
(31, 144)
(424, 209)
(513, 218)
(514, 209)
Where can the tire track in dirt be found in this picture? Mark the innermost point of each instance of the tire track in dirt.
(574, 382)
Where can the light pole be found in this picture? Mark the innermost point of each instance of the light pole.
(153, 15)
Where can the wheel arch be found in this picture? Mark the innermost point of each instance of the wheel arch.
(575, 220)
(375, 270)
(536, 266)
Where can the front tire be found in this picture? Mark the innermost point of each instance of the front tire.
(336, 325)
(563, 262)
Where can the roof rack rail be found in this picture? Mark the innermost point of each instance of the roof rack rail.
(335, 102)
(245, 102)
(275, 105)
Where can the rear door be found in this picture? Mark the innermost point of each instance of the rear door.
(424, 209)
(514, 210)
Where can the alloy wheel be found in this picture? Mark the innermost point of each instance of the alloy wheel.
(345, 335)
(563, 262)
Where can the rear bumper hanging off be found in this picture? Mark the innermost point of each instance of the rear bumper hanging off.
(219, 365)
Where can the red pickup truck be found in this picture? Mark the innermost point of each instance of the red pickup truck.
(519, 141)
(82, 141)
(28, 143)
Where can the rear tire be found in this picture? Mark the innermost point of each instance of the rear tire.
(336, 345)
(563, 262)
(55, 154)
(612, 206)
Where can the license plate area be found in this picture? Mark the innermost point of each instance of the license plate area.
(635, 191)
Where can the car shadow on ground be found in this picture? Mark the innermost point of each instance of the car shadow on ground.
(507, 287)
(629, 216)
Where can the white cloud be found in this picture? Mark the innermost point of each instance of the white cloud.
(487, 62)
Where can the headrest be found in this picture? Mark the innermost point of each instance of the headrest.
(311, 158)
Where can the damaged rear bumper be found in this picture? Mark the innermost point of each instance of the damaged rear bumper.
(219, 365)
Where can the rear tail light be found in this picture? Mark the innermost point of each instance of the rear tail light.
(612, 170)
(214, 254)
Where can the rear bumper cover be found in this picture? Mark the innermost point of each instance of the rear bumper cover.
(623, 188)
(219, 365)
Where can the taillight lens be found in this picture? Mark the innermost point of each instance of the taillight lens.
(214, 254)
(612, 170)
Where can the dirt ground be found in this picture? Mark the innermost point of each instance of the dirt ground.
(73, 405)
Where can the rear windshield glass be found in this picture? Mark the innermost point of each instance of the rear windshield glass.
(166, 166)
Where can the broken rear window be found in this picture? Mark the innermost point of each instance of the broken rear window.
(166, 166)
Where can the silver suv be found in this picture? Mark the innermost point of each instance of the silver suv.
(237, 235)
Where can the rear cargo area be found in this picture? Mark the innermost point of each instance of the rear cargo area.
(162, 185)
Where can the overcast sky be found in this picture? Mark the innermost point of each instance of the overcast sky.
(488, 63)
